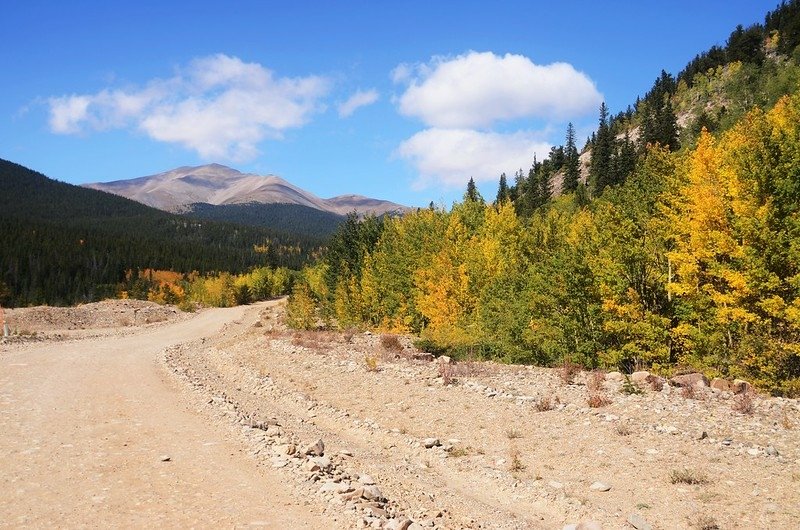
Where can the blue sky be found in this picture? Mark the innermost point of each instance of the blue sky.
(396, 100)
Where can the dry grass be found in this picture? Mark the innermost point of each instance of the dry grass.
(543, 404)
(706, 522)
(743, 403)
(786, 422)
(446, 373)
(596, 401)
(595, 380)
(568, 371)
(516, 465)
(391, 343)
(687, 476)
(513, 433)
(371, 362)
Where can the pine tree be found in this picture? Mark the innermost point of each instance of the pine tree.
(472, 194)
(503, 193)
(571, 162)
(600, 170)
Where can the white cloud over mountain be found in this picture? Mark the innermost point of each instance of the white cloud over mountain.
(462, 99)
(219, 106)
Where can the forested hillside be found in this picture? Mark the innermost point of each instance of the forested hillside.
(64, 244)
(294, 220)
(672, 247)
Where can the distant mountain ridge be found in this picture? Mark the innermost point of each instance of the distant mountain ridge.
(215, 184)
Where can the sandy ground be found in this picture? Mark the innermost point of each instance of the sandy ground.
(234, 399)
(85, 425)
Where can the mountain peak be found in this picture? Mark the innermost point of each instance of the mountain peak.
(217, 184)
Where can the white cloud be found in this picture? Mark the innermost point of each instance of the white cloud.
(359, 99)
(218, 106)
(451, 156)
(478, 89)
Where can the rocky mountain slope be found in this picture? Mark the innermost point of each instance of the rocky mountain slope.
(216, 184)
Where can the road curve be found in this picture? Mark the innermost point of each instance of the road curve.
(84, 426)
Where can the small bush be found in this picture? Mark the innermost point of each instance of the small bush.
(743, 403)
(568, 371)
(513, 433)
(516, 462)
(594, 381)
(687, 476)
(691, 392)
(446, 373)
(371, 362)
(596, 401)
(630, 388)
(623, 429)
(391, 343)
(706, 522)
(544, 404)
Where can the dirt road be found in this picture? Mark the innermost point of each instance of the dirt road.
(86, 428)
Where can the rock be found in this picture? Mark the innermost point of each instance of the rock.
(371, 493)
(589, 525)
(323, 462)
(285, 449)
(401, 523)
(317, 448)
(771, 451)
(615, 376)
(638, 522)
(278, 462)
(702, 436)
(555, 485)
(429, 443)
(693, 379)
(165, 458)
(353, 495)
(423, 356)
(444, 359)
(740, 386)
(753, 451)
(366, 480)
(329, 487)
(639, 377)
(374, 511)
(600, 486)
(310, 465)
(723, 385)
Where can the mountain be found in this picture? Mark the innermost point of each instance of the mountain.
(215, 184)
(64, 244)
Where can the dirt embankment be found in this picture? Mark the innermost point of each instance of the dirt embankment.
(476, 445)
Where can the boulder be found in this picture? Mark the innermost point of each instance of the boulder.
(615, 376)
(723, 385)
(315, 449)
(689, 380)
(639, 377)
(740, 386)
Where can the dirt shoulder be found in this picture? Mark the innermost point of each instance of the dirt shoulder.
(497, 447)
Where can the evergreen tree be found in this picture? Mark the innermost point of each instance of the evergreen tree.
(472, 194)
(503, 193)
(571, 162)
(600, 170)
